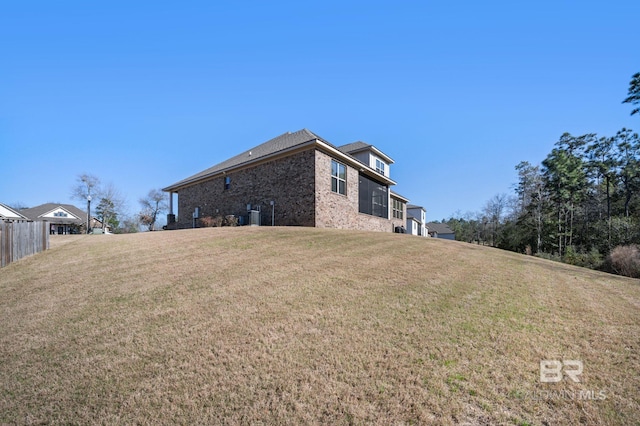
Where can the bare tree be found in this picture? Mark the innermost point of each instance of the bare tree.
(152, 205)
(86, 186)
(494, 211)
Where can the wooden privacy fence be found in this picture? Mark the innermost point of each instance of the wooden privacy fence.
(20, 238)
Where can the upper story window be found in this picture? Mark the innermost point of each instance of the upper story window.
(380, 167)
(227, 182)
(338, 177)
(60, 214)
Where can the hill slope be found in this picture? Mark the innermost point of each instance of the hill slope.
(290, 325)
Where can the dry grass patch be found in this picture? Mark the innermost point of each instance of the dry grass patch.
(288, 325)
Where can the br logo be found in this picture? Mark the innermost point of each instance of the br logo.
(552, 370)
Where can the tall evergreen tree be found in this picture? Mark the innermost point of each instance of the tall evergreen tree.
(633, 97)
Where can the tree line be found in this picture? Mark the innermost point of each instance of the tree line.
(577, 205)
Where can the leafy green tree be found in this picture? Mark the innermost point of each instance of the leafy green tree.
(107, 213)
(565, 179)
(628, 144)
(633, 97)
(602, 163)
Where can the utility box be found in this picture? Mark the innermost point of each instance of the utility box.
(254, 217)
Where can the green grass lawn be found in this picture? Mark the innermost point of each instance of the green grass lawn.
(309, 326)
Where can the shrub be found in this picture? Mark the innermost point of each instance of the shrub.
(591, 259)
(625, 260)
(230, 220)
(208, 221)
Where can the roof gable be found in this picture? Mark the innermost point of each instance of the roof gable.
(359, 146)
(7, 212)
(53, 211)
(58, 212)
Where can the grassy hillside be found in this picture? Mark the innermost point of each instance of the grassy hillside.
(290, 325)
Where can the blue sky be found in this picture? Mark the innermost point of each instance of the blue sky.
(143, 94)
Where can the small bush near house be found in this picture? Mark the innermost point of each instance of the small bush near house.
(230, 220)
(208, 221)
(218, 221)
(624, 260)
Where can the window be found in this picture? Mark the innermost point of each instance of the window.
(380, 166)
(227, 182)
(338, 178)
(373, 197)
(398, 210)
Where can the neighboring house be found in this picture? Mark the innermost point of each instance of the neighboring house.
(295, 179)
(441, 230)
(413, 226)
(399, 210)
(63, 218)
(7, 213)
(417, 216)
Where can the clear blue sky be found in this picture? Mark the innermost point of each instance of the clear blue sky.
(145, 93)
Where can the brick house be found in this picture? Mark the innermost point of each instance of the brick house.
(295, 179)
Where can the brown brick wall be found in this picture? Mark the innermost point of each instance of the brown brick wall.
(287, 181)
(341, 211)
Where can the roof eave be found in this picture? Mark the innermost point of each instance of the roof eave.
(222, 172)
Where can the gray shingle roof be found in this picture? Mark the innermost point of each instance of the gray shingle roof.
(281, 143)
(34, 213)
(354, 147)
(440, 228)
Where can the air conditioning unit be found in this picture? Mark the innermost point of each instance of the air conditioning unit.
(254, 218)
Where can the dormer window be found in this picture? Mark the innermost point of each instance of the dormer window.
(380, 167)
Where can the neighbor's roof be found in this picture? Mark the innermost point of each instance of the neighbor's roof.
(359, 146)
(413, 206)
(286, 141)
(36, 213)
(7, 212)
(439, 228)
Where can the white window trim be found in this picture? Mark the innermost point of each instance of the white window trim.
(338, 178)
